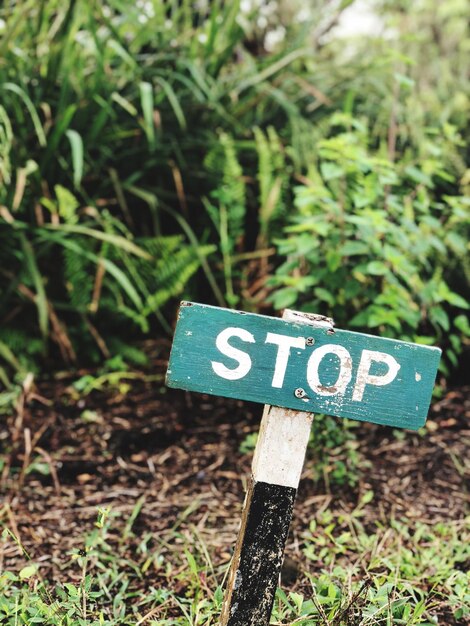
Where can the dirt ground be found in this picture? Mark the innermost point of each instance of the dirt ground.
(180, 453)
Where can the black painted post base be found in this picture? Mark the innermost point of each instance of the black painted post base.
(257, 560)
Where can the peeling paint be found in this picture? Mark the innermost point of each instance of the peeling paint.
(258, 555)
(238, 579)
(310, 319)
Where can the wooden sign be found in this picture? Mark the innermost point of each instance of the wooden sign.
(301, 363)
(313, 367)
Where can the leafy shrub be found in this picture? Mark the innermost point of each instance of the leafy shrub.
(142, 146)
(119, 164)
(374, 244)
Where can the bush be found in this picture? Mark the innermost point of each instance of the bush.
(150, 151)
(374, 244)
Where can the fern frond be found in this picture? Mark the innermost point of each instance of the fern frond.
(78, 271)
(161, 279)
(230, 192)
(273, 178)
(172, 273)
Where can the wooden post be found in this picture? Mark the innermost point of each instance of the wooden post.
(267, 511)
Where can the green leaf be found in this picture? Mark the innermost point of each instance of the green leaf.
(173, 100)
(377, 268)
(418, 176)
(360, 319)
(110, 267)
(438, 316)
(353, 248)
(67, 204)
(367, 497)
(325, 295)
(424, 340)
(461, 323)
(404, 81)
(456, 242)
(9, 357)
(32, 111)
(192, 563)
(330, 171)
(455, 300)
(284, 298)
(28, 572)
(333, 260)
(41, 298)
(125, 104)
(72, 590)
(116, 240)
(277, 66)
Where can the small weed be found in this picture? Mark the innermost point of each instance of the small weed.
(333, 452)
(412, 566)
(248, 444)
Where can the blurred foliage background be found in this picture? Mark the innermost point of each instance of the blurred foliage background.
(253, 154)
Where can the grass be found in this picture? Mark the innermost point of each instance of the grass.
(155, 550)
(404, 574)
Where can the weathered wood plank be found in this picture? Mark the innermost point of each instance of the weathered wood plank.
(310, 368)
(256, 563)
(280, 450)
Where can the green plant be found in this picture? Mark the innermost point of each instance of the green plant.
(373, 245)
(333, 454)
(412, 566)
(97, 269)
(248, 444)
(147, 146)
(102, 142)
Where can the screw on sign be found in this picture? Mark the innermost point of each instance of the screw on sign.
(295, 366)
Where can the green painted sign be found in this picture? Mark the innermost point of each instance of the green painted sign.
(308, 367)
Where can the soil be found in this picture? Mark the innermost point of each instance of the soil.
(178, 456)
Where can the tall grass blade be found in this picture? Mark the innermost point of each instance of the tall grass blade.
(146, 100)
(31, 110)
(60, 128)
(109, 266)
(116, 240)
(7, 355)
(41, 298)
(272, 69)
(76, 145)
(204, 264)
(173, 100)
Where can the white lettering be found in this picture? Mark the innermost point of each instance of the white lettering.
(284, 344)
(363, 376)
(345, 371)
(244, 360)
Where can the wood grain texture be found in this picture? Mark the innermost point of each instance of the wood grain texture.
(281, 446)
(403, 403)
